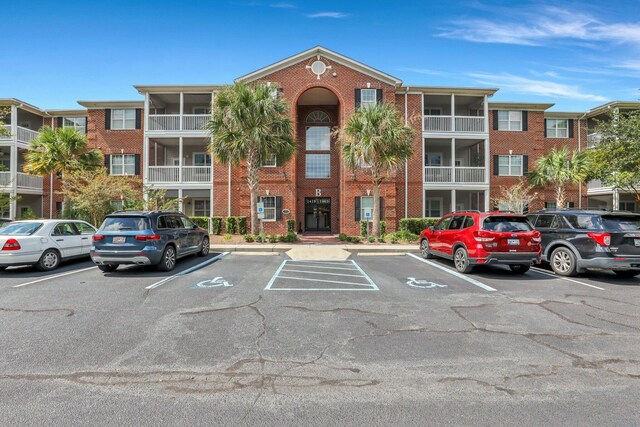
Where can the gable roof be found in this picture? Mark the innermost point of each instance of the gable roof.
(329, 54)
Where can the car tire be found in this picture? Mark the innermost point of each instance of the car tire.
(50, 260)
(425, 251)
(563, 262)
(519, 268)
(461, 261)
(626, 273)
(204, 247)
(108, 267)
(168, 260)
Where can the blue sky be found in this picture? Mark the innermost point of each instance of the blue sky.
(574, 54)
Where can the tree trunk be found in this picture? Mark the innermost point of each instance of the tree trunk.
(560, 196)
(375, 226)
(253, 180)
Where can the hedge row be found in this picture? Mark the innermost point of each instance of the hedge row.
(232, 224)
(416, 225)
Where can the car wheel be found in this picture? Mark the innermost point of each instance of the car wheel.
(204, 248)
(108, 267)
(520, 268)
(49, 260)
(626, 273)
(168, 260)
(461, 261)
(424, 249)
(563, 262)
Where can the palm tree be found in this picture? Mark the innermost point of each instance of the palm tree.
(559, 170)
(60, 151)
(250, 123)
(375, 139)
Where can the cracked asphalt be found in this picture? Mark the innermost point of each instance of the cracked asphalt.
(97, 348)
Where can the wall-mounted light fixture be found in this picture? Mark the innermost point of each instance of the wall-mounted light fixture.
(267, 191)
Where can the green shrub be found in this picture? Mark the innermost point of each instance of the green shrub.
(230, 224)
(363, 228)
(241, 221)
(290, 237)
(405, 236)
(393, 238)
(200, 221)
(227, 236)
(216, 224)
(354, 239)
(371, 239)
(343, 237)
(291, 226)
(381, 239)
(273, 238)
(249, 238)
(416, 225)
(383, 228)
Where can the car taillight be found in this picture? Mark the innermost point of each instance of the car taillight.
(11, 245)
(97, 237)
(537, 237)
(145, 237)
(483, 236)
(603, 239)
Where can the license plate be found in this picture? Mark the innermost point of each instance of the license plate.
(636, 242)
(118, 240)
(513, 242)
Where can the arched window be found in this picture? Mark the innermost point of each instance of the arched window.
(318, 117)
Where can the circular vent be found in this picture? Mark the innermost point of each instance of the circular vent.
(318, 67)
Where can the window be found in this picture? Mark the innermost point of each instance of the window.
(123, 119)
(443, 224)
(469, 222)
(58, 209)
(547, 221)
(432, 111)
(433, 208)
(509, 120)
(125, 223)
(456, 223)
(510, 165)
(169, 221)
(557, 128)
(201, 110)
(201, 159)
(318, 165)
(186, 222)
(433, 159)
(65, 229)
(78, 123)
(269, 203)
(628, 206)
(367, 97)
(549, 205)
(318, 117)
(271, 162)
(366, 204)
(201, 207)
(506, 224)
(84, 228)
(583, 222)
(318, 138)
(123, 164)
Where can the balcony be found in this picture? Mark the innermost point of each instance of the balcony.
(463, 124)
(452, 112)
(171, 174)
(178, 112)
(23, 181)
(23, 135)
(453, 174)
(177, 122)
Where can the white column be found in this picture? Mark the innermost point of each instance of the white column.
(487, 161)
(453, 112)
(486, 200)
(180, 160)
(181, 108)
(616, 201)
(146, 111)
(145, 160)
(486, 114)
(453, 200)
(453, 160)
(180, 202)
(13, 162)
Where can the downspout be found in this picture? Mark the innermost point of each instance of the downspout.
(406, 162)
(229, 193)
(580, 149)
(51, 187)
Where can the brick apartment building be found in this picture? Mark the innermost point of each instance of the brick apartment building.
(465, 148)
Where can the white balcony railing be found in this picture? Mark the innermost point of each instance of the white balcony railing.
(8, 129)
(194, 121)
(196, 174)
(469, 124)
(22, 181)
(5, 179)
(26, 135)
(449, 174)
(164, 122)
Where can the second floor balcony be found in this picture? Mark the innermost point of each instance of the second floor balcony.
(454, 174)
(178, 160)
(23, 181)
(22, 135)
(178, 112)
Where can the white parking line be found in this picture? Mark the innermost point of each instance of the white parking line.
(325, 281)
(538, 270)
(304, 261)
(326, 268)
(54, 277)
(323, 273)
(312, 267)
(454, 273)
(187, 271)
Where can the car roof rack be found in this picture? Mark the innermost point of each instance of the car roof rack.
(467, 210)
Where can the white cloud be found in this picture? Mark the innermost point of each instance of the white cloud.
(629, 65)
(542, 26)
(334, 15)
(420, 71)
(283, 6)
(545, 88)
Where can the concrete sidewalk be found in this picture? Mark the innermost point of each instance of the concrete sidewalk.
(283, 247)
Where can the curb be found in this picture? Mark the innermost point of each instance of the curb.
(354, 249)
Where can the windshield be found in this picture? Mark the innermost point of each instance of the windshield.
(20, 228)
(507, 224)
(621, 222)
(124, 223)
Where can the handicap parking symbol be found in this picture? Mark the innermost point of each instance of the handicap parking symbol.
(212, 283)
(423, 284)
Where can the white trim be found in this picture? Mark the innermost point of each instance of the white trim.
(440, 199)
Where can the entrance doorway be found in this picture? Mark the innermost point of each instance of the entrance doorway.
(317, 215)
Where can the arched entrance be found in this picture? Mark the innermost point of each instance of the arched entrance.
(318, 163)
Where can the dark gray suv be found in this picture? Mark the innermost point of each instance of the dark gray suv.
(147, 238)
(576, 240)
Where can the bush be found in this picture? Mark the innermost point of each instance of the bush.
(416, 225)
(241, 221)
(404, 236)
(383, 228)
(227, 236)
(354, 239)
(200, 221)
(273, 238)
(249, 238)
(291, 226)
(230, 224)
(28, 214)
(289, 237)
(381, 239)
(343, 237)
(393, 238)
(371, 239)
(216, 224)
(363, 228)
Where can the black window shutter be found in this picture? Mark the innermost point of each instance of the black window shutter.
(495, 119)
(378, 96)
(107, 162)
(525, 121)
(570, 124)
(107, 118)
(545, 128)
(496, 165)
(137, 164)
(138, 118)
(278, 208)
(525, 165)
(357, 208)
(59, 122)
(381, 208)
(358, 98)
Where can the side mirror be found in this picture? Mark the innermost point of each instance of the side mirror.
(431, 228)
(195, 226)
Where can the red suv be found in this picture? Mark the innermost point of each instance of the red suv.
(472, 238)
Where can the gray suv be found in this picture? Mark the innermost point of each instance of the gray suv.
(147, 238)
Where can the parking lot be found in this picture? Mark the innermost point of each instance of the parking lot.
(248, 339)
